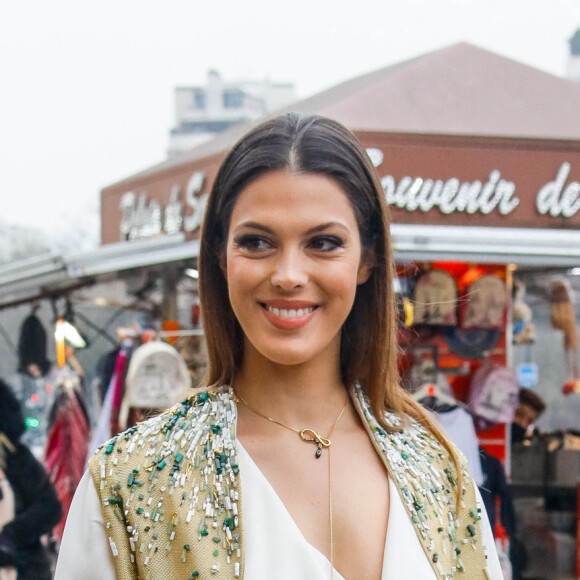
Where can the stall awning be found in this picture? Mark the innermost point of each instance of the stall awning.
(521, 246)
(53, 275)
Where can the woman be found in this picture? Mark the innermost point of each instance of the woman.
(303, 457)
(35, 505)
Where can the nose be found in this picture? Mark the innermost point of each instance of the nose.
(289, 271)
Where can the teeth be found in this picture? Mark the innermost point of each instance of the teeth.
(290, 313)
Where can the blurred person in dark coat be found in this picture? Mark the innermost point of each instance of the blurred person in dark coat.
(36, 506)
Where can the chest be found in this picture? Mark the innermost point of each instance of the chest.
(357, 485)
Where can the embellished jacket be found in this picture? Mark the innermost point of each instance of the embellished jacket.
(172, 500)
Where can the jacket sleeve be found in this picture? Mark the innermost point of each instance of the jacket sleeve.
(40, 508)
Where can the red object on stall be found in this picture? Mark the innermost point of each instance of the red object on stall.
(171, 326)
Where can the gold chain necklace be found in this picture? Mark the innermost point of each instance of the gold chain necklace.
(311, 436)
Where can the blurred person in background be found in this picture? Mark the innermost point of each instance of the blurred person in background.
(530, 407)
(30, 507)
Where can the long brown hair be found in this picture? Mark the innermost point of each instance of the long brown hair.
(368, 354)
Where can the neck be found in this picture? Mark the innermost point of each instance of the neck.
(308, 394)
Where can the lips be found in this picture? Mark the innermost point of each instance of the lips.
(288, 315)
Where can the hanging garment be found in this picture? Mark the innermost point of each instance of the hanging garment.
(32, 346)
(102, 430)
(67, 443)
(119, 376)
(458, 424)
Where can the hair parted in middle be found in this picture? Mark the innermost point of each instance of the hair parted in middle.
(319, 146)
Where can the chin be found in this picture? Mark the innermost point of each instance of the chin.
(298, 351)
(286, 357)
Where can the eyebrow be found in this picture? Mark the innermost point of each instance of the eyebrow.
(316, 229)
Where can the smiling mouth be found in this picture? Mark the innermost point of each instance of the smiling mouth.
(289, 313)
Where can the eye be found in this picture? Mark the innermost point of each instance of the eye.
(252, 243)
(326, 243)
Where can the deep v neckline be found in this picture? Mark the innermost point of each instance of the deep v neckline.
(265, 482)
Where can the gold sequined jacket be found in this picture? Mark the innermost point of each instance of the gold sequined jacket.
(171, 496)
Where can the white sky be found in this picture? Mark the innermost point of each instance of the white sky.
(87, 87)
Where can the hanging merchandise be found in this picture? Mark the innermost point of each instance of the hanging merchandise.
(522, 325)
(67, 444)
(156, 378)
(485, 304)
(435, 299)
(459, 427)
(493, 394)
(470, 343)
(32, 358)
(118, 385)
(564, 319)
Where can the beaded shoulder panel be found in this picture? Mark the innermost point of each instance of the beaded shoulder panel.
(170, 493)
(427, 484)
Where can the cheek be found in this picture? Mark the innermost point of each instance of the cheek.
(242, 278)
(343, 284)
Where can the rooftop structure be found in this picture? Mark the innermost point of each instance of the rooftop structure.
(201, 112)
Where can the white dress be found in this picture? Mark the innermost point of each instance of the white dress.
(270, 536)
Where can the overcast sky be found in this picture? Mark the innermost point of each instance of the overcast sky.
(87, 87)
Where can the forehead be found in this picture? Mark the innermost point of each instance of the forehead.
(293, 197)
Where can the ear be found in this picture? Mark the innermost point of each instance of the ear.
(366, 266)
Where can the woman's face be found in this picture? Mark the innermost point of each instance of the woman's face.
(293, 262)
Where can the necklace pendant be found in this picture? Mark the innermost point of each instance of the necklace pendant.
(311, 436)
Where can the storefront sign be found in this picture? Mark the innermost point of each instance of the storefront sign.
(555, 200)
(472, 197)
(452, 195)
(141, 218)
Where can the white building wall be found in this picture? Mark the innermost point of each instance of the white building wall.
(573, 68)
(191, 121)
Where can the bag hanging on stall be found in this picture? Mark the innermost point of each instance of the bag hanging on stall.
(157, 377)
(485, 304)
(435, 299)
(493, 395)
